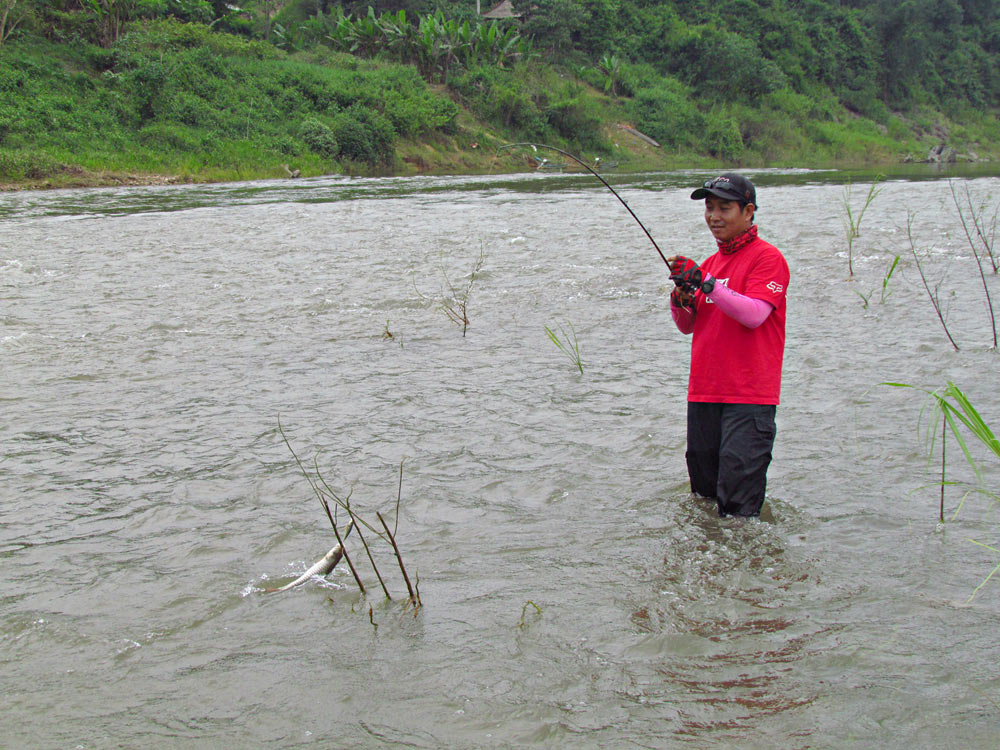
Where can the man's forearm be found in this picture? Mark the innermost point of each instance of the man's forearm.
(748, 311)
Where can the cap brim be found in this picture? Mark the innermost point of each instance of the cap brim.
(703, 192)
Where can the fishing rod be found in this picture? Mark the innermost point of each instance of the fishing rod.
(586, 166)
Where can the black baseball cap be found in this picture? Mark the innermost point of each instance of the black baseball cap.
(730, 187)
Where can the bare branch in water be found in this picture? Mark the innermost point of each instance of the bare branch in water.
(455, 302)
(323, 491)
(399, 497)
(399, 558)
(348, 559)
(305, 473)
(371, 559)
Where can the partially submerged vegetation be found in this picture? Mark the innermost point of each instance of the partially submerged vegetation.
(326, 495)
(952, 410)
(453, 300)
(188, 90)
(567, 343)
(853, 216)
(981, 244)
(949, 416)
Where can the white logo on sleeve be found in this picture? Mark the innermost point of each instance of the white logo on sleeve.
(775, 287)
(723, 282)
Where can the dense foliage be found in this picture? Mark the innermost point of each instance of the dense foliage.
(195, 85)
(177, 97)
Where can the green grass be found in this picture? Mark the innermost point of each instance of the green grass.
(567, 344)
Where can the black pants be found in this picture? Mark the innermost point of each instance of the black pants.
(729, 450)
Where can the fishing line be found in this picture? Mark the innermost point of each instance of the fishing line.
(605, 182)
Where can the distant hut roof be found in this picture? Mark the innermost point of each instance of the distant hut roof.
(504, 10)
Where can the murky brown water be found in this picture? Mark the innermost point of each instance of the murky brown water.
(150, 340)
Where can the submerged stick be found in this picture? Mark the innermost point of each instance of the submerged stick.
(399, 558)
(586, 166)
(350, 565)
(315, 488)
(371, 559)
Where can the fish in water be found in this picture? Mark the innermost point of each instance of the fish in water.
(322, 566)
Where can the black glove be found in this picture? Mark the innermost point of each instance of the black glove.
(687, 275)
(680, 298)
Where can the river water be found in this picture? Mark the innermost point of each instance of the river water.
(574, 593)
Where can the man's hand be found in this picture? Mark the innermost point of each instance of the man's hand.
(680, 298)
(688, 276)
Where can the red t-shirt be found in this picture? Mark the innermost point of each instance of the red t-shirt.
(730, 363)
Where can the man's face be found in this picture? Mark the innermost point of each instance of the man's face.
(725, 219)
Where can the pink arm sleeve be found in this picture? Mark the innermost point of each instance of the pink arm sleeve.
(745, 310)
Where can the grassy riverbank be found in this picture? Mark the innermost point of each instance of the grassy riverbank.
(174, 103)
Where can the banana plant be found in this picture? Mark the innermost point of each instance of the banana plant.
(366, 35)
(342, 34)
(510, 46)
(396, 33)
(434, 44)
(610, 66)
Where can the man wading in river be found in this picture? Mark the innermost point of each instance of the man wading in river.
(734, 304)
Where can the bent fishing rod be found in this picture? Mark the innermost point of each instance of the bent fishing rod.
(586, 166)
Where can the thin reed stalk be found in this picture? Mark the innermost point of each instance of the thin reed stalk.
(315, 488)
(852, 223)
(886, 278)
(985, 580)
(986, 234)
(345, 503)
(975, 250)
(944, 463)
(923, 277)
(961, 420)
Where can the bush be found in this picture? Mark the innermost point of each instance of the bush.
(146, 82)
(578, 121)
(666, 113)
(412, 115)
(170, 136)
(501, 96)
(632, 78)
(26, 165)
(12, 79)
(175, 34)
(364, 136)
(320, 139)
(352, 138)
(739, 72)
(723, 138)
(191, 109)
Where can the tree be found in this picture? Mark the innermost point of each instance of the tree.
(12, 12)
(722, 65)
(553, 25)
(111, 18)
